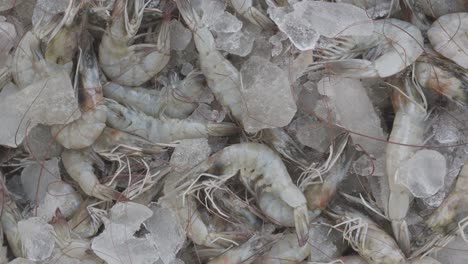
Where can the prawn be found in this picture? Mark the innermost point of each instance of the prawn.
(408, 129)
(10, 217)
(79, 166)
(136, 64)
(394, 45)
(265, 176)
(447, 219)
(448, 37)
(222, 77)
(82, 132)
(255, 16)
(443, 77)
(166, 102)
(165, 130)
(367, 238)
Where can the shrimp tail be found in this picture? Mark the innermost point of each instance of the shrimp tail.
(301, 222)
(187, 12)
(260, 18)
(222, 129)
(402, 235)
(107, 193)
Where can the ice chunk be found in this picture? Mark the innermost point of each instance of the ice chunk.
(267, 96)
(42, 173)
(46, 9)
(423, 174)
(59, 195)
(50, 101)
(227, 23)
(312, 133)
(37, 238)
(189, 153)
(349, 100)
(210, 10)
(165, 232)
(275, 40)
(41, 144)
(310, 19)
(238, 43)
(180, 35)
(117, 243)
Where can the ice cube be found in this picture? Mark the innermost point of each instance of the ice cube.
(180, 35)
(312, 133)
(276, 41)
(227, 23)
(310, 19)
(41, 144)
(42, 173)
(37, 238)
(238, 43)
(49, 101)
(59, 195)
(268, 100)
(423, 174)
(188, 153)
(165, 232)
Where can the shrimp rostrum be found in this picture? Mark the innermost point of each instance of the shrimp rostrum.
(265, 176)
(136, 64)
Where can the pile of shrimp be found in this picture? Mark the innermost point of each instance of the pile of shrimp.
(161, 125)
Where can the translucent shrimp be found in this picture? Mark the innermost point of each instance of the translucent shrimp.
(449, 217)
(82, 132)
(222, 77)
(162, 130)
(448, 37)
(367, 238)
(443, 77)
(136, 64)
(246, 9)
(245, 253)
(176, 101)
(394, 46)
(285, 251)
(79, 166)
(264, 175)
(408, 129)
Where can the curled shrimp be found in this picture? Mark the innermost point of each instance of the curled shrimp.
(367, 238)
(447, 79)
(448, 37)
(449, 217)
(394, 45)
(246, 9)
(162, 130)
(136, 64)
(79, 166)
(167, 102)
(408, 129)
(82, 132)
(285, 251)
(265, 176)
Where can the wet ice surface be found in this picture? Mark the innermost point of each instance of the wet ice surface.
(423, 174)
(238, 43)
(308, 20)
(117, 243)
(36, 238)
(50, 101)
(42, 173)
(227, 23)
(262, 82)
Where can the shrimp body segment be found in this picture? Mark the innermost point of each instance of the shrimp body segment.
(136, 64)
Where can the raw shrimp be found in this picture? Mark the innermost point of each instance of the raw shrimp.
(82, 132)
(222, 77)
(164, 130)
(318, 195)
(367, 238)
(136, 64)
(82, 223)
(443, 77)
(448, 37)
(264, 175)
(74, 247)
(394, 45)
(408, 129)
(245, 253)
(179, 100)
(285, 251)
(246, 9)
(449, 217)
(10, 217)
(437, 8)
(79, 166)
